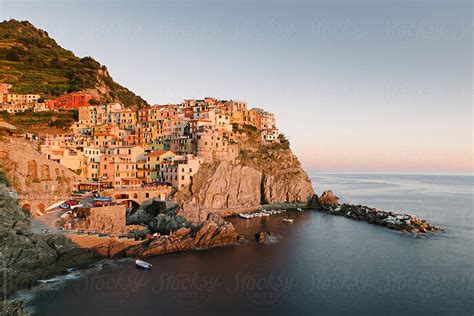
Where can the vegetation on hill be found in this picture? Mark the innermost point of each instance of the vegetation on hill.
(252, 153)
(41, 122)
(34, 63)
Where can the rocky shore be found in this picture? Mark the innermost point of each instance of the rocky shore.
(211, 233)
(158, 230)
(329, 203)
(26, 257)
(162, 228)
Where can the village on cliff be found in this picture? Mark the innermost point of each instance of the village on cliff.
(161, 147)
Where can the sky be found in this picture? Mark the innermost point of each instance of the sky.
(359, 86)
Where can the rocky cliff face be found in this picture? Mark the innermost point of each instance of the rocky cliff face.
(38, 181)
(213, 232)
(28, 257)
(261, 175)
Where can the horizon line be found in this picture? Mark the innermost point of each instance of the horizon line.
(427, 173)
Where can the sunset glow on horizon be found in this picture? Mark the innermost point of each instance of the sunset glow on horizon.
(378, 87)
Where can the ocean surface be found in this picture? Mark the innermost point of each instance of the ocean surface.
(319, 265)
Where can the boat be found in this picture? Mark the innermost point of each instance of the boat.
(143, 265)
(299, 209)
(102, 201)
(246, 216)
(288, 220)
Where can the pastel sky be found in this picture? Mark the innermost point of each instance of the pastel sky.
(355, 85)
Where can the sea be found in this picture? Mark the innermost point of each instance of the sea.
(318, 265)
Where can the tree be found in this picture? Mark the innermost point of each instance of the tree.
(13, 55)
(93, 102)
(55, 63)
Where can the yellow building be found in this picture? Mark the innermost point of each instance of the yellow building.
(127, 119)
(237, 118)
(154, 160)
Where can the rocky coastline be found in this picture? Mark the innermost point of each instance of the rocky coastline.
(157, 229)
(211, 233)
(405, 222)
(47, 255)
(26, 257)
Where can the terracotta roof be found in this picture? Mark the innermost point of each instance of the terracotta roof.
(105, 134)
(157, 153)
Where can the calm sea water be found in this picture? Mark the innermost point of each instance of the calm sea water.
(319, 265)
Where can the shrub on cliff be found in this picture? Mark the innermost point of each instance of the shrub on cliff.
(3, 179)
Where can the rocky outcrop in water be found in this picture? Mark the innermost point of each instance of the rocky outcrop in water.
(170, 232)
(261, 237)
(328, 198)
(398, 221)
(211, 233)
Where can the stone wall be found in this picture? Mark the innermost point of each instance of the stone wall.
(106, 220)
(38, 181)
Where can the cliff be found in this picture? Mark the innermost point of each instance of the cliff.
(38, 181)
(262, 174)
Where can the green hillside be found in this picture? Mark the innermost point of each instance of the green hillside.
(34, 63)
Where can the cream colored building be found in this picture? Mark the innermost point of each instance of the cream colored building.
(180, 172)
(13, 98)
(72, 159)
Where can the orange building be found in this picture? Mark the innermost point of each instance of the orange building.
(50, 104)
(4, 87)
(72, 100)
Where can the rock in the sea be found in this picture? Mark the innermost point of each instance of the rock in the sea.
(328, 198)
(403, 222)
(261, 237)
(208, 234)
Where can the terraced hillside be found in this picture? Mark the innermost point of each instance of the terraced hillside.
(34, 63)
